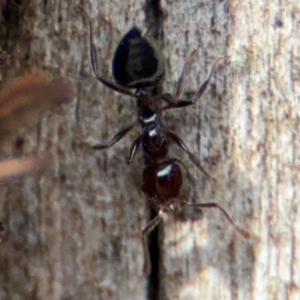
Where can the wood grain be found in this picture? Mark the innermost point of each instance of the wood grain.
(74, 232)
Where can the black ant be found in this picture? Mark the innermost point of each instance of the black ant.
(138, 64)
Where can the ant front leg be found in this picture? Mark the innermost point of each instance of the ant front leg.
(175, 102)
(94, 59)
(115, 139)
(145, 233)
(179, 142)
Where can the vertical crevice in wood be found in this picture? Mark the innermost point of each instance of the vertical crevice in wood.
(153, 22)
(154, 250)
(10, 30)
(154, 18)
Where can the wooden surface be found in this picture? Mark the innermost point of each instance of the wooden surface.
(74, 231)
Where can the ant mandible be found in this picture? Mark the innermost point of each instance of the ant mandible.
(138, 64)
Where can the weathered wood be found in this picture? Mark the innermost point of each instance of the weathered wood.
(246, 130)
(74, 232)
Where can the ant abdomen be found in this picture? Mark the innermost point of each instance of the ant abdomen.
(137, 63)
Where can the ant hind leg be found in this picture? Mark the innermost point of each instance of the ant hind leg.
(246, 234)
(94, 59)
(145, 233)
(175, 102)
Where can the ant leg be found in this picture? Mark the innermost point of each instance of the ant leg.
(145, 232)
(186, 212)
(179, 142)
(134, 148)
(94, 59)
(186, 68)
(246, 234)
(115, 139)
(205, 84)
(183, 103)
(187, 65)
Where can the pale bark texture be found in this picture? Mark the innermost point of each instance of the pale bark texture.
(73, 232)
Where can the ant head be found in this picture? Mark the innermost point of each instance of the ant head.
(137, 62)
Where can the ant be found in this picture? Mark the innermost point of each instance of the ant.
(138, 64)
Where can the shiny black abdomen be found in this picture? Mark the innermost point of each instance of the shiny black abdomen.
(137, 62)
